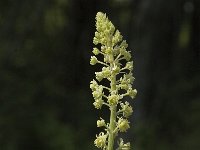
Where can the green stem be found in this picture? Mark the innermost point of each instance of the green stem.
(112, 127)
(113, 115)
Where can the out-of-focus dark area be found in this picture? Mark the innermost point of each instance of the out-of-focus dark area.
(45, 47)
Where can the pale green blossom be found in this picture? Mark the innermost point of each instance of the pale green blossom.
(93, 60)
(132, 92)
(96, 51)
(129, 65)
(126, 109)
(98, 103)
(123, 125)
(101, 123)
(93, 85)
(100, 141)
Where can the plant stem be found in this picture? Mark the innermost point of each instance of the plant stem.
(113, 114)
(111, 128)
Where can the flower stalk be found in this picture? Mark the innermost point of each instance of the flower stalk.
(119, 74)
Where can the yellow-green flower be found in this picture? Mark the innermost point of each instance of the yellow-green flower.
(123, 125)
(132, 93)
(93, 60)
(98, 103)
(129, 65)
(101, 123)
(99, 76)
(127, 109)
(93, 85)
(100, 140)
(96, 51)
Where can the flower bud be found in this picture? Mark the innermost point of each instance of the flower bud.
(99, 76)
(101, 123)
(129, 65)
(95, 41)
(93, 60)
(95, 51)
(93, 85)
(132, 93)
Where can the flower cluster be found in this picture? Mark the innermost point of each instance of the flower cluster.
(117, 69)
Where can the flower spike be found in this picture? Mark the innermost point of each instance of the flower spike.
(119, 75)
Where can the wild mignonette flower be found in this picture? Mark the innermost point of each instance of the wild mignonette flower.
(99, 76)
(98, 103)
(129, 65)
(132, 92)
(123, 125)
(94, 85)
(127, 110)
(96, 51)
(93, 60)
(117, 70)
(101, 123)
(100, 141)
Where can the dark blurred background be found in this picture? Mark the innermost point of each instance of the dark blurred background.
(45, 47)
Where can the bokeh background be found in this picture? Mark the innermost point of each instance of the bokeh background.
(45, 47)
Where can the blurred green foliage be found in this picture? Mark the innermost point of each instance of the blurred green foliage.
(45, 45)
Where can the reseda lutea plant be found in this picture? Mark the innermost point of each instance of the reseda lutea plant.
(117, 69)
